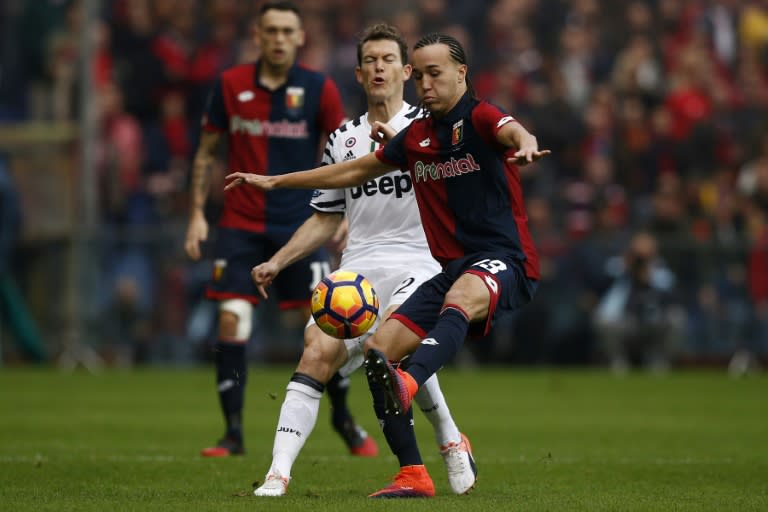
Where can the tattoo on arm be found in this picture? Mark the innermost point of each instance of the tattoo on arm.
(201, 170)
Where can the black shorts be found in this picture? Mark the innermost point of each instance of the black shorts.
(237, 252)
(504, 276)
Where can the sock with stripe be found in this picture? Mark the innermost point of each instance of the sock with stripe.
(298, 416)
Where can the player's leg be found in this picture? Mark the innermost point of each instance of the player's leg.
(413, 480)
(471, 292)
(231, 373)
(321, 358)
(232, 287)
(294, 285)
(454, 446)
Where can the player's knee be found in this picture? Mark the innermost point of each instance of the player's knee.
(236, 319)
(457, 297)
(322, 355)
(473, 301)
(371, 342)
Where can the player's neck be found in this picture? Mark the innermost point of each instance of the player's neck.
(271, 76)
(383, 111)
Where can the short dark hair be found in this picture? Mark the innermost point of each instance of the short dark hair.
(279, 5)
(379, 32)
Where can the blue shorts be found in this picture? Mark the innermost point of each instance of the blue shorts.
(237, 252)
(504, 276)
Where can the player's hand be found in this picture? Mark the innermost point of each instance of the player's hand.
(525, 156)
(244, 178)
(197, 231)
(382, 132)
(263, 275)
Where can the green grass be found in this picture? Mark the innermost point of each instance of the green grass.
(544, 440)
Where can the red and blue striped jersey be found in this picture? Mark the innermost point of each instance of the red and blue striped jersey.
(271, 132)
(470, 199)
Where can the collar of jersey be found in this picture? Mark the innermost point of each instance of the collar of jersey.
(288, 79)
(403, 110)
(460, 111)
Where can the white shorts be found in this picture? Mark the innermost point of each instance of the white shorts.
(393, 286)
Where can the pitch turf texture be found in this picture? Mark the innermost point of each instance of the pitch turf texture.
(543, 440)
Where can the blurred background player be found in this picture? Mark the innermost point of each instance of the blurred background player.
(461, 158)
(275, 115)
(386, 244)
(639, 317)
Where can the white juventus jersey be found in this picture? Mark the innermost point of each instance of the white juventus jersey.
(384, 224)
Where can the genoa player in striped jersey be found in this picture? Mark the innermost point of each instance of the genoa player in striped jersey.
(275, 115)
(463, 159)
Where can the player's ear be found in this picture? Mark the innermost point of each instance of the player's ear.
(302, 37)
(462, 69)
(407, 70)
(359, 75)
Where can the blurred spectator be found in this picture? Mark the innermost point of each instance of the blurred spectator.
(638, 320)
(129, 273)
(656, 112)
(13, 309)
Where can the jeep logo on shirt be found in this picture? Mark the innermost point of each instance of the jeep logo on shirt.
(399, 185)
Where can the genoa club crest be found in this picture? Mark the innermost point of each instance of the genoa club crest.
(458, 132)
(294, 97)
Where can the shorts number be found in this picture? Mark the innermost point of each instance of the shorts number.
(492, 266)
(320, 269)
(408, 282)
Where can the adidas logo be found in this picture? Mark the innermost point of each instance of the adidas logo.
(349, 156)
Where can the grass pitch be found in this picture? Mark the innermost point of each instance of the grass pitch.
(543, 440)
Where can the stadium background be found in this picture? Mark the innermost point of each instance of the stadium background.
(656, 112)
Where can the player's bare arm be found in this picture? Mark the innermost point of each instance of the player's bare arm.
(338, 175)
(514, 135)
(197, 230)
(315, 231)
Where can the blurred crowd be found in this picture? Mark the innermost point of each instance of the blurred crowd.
(656, 112)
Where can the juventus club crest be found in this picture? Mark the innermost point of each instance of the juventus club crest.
(294, 98)
(458, 132)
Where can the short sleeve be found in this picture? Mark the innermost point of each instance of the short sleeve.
(331, 107)
(215, 117)
(329, 200)
(488, 119)
(393, 152)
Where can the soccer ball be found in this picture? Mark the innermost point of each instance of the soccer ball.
(344, 304)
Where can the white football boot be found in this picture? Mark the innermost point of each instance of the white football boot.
(462, 471)
(274, 485)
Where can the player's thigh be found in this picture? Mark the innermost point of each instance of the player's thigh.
(322, 354)
(471, 293)
(394, 339)
(235, 253)
(507, 288)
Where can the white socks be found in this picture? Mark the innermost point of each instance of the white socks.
(431, 401)
(298, 416)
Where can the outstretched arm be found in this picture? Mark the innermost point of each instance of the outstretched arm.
(338, 175)
(315, 231)
(514, 135)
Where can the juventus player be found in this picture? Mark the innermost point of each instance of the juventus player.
(386, 244)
